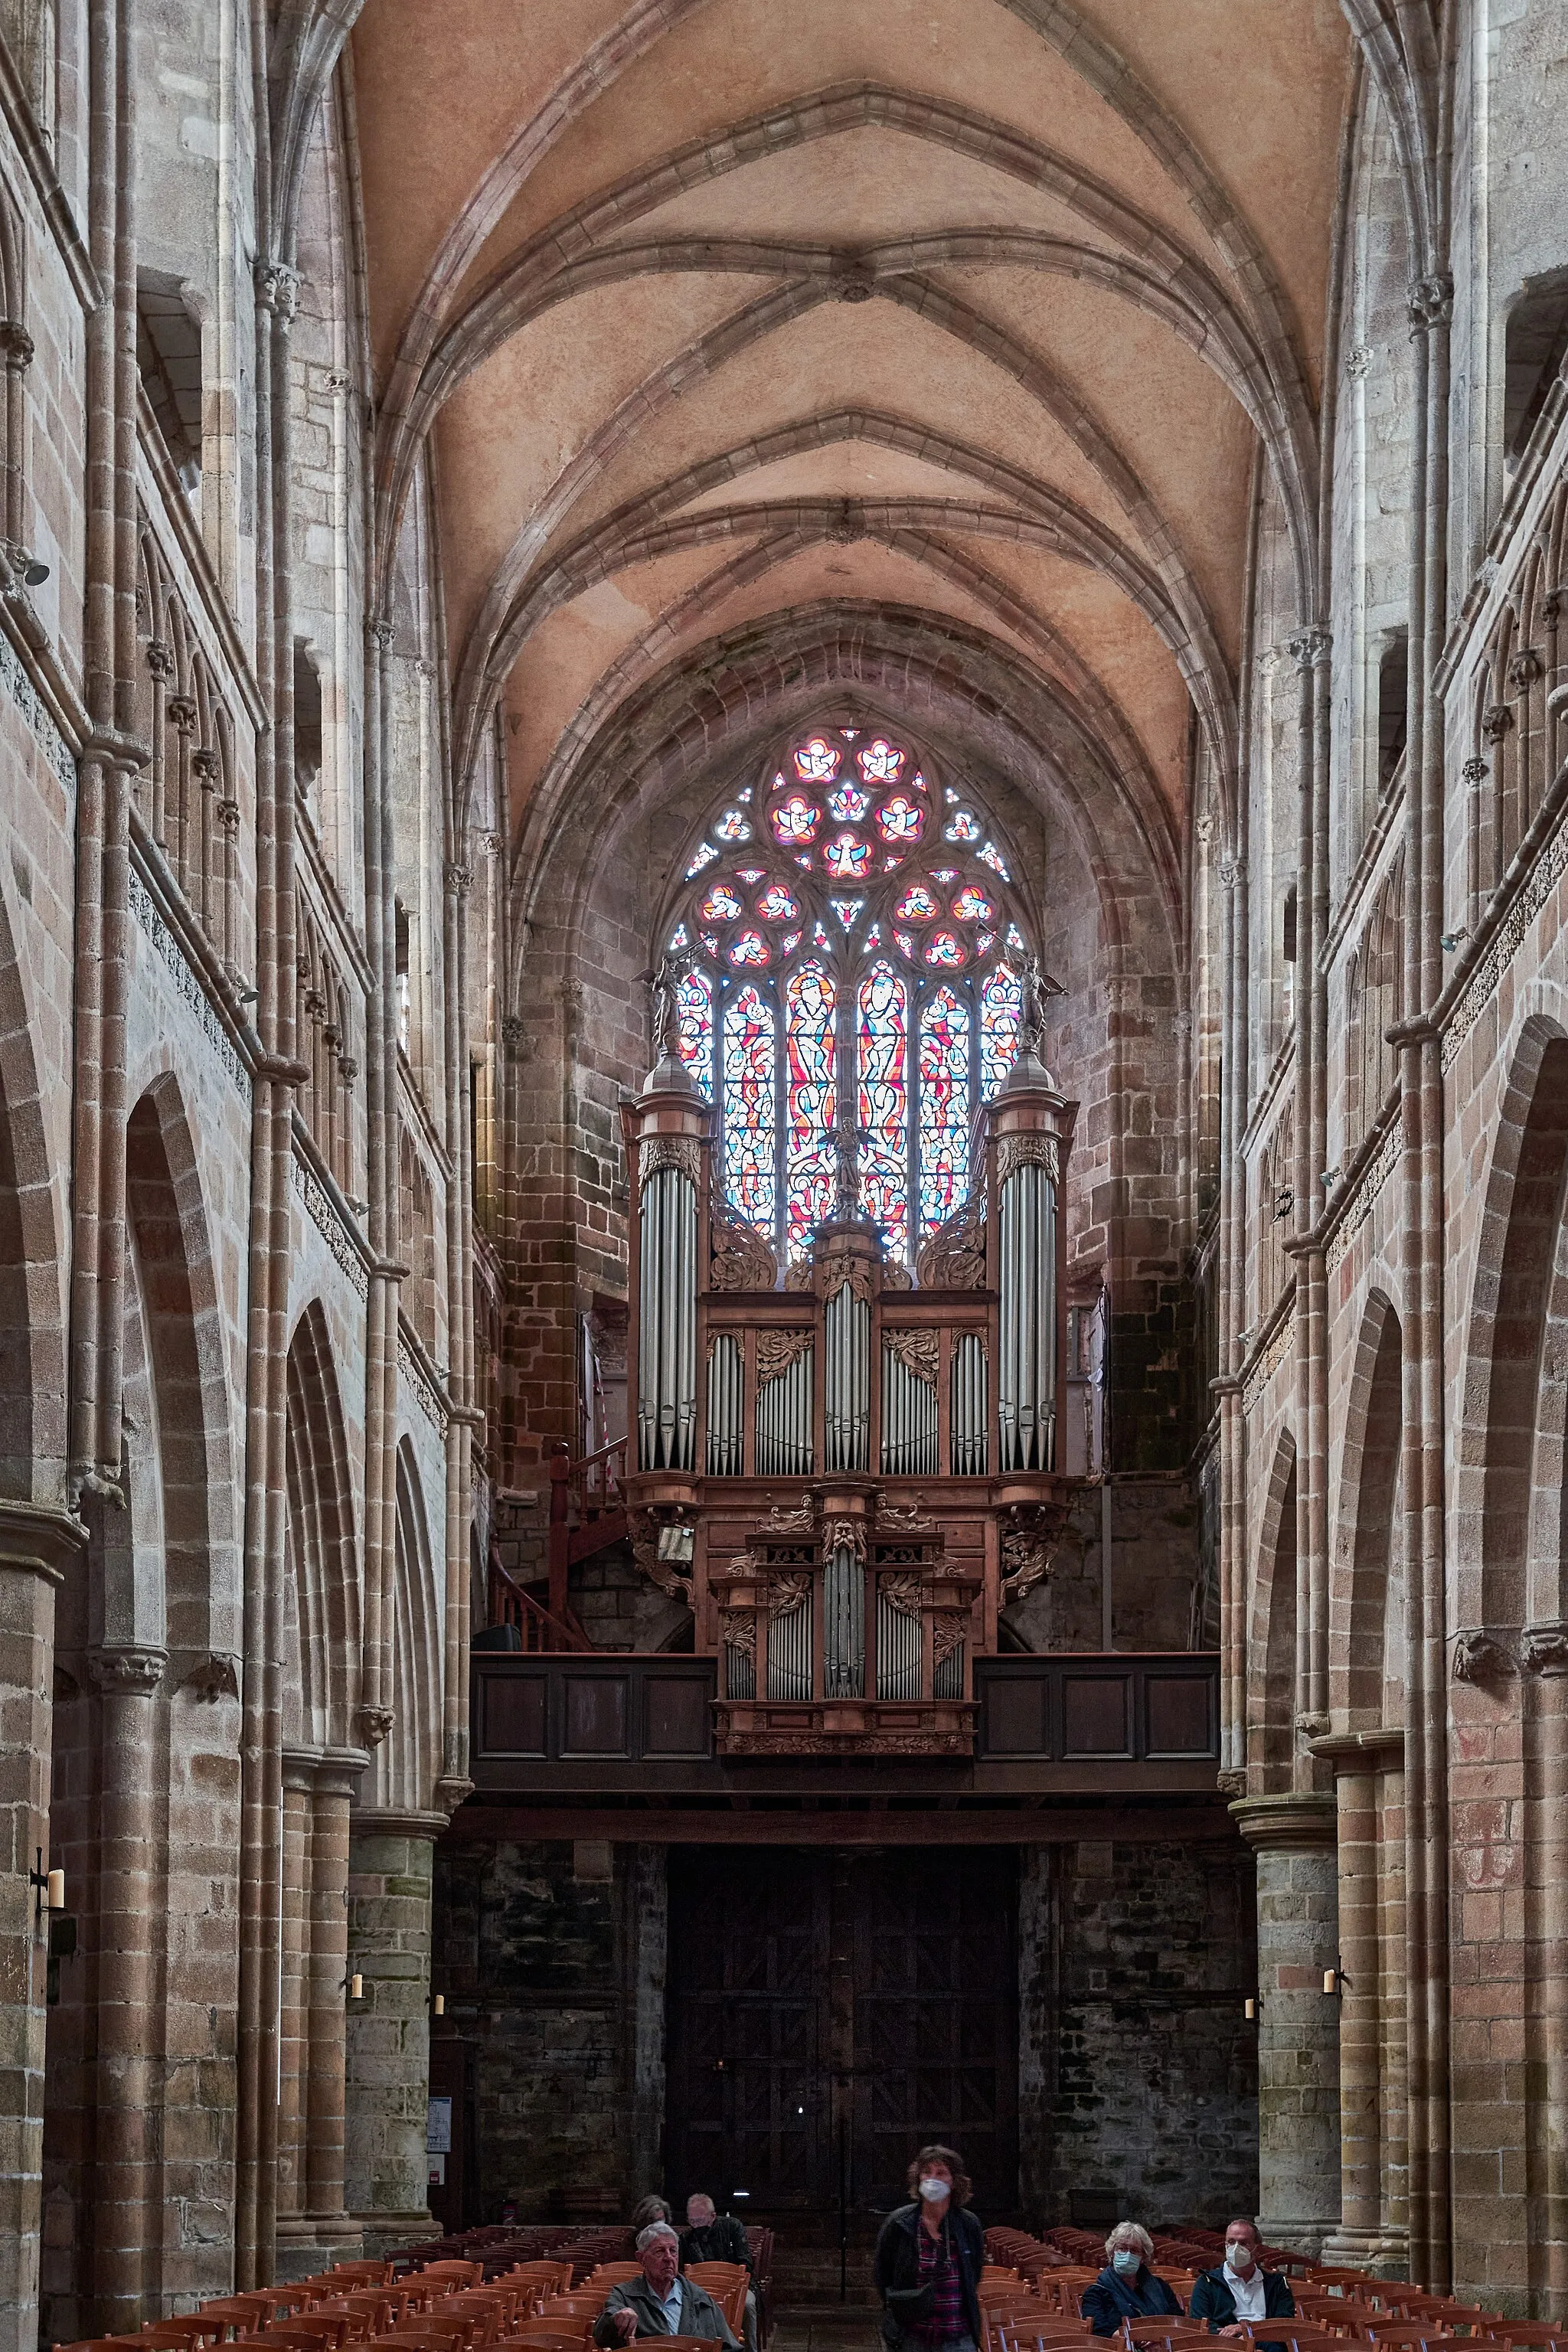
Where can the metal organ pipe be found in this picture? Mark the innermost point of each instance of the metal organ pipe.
(724, 1371)
(898, 1651)
(849, 1373)
(789, 1652)
(908, 1420)
(784, 1422)
(843, 1625)
(969, 1448)
(666, 1348)
(1026, 1374)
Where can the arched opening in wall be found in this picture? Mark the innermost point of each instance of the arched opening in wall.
(306, 724)
(1517, 1339)
(169, 362)
(1392, 705)
(17, 1387)
(322, 1605)
(403, 1773)
(1535, 345)
(1271, 1684)
(1371, 1535)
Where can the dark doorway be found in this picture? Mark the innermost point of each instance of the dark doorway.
(829, 2010)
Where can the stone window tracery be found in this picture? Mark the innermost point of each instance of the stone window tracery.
(849, 948)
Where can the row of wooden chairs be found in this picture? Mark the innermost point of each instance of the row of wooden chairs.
(1038, 2308)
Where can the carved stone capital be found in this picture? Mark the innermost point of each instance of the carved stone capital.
(1430, 302)
(1543, 1649)
(15, 345)
(1476, 771)
(372, 1723)
(1497, 720)
(127, 1669)
(378, 636)
(181, 712)
(160, 658)
(459, 878)
(1479, 1659)
(1309, 648)
(205, 763)
(213, 1678)
(277, 288)
(1526, 669)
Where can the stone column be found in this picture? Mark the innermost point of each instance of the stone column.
(313, 2228)
(125, 2172)
(35, 1547)
(1293, 1838)
(1357, 2241)
(388, 2031)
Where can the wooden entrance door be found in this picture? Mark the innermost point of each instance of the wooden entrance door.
(828, 2011)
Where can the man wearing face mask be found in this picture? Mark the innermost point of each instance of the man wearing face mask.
(1241, 2289)
(929, 2259)
(1126, 2288)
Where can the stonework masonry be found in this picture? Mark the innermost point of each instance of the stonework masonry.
(444, 453)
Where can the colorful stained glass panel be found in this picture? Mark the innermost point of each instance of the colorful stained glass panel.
(749, 948)
(796, 818)
(810, 1103)
(943, 1120)
(900, 819)
(1001, 1006)
(694, 1028)
(777, 904)
(751, 1125)
(817, 763)
(848, 805)
(722, 904)
(883, 1006)
(880, 760)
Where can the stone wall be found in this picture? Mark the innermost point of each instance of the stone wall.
(1138, 2069)
(551, 1960)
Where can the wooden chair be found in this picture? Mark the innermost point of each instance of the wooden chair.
(458, 2273)
(611, 2274)
(540, 2336)
(361, 2273)
(1528, 2331)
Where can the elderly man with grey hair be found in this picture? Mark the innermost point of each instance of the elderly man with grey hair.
(1127, 2287)
(660, 2303)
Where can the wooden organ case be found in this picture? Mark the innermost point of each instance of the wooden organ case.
(851, 1473)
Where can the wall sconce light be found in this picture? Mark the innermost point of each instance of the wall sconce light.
(48, 1886)
(1335, 1980)
(354, 1986)
(438, 2004)
(1252, 2008)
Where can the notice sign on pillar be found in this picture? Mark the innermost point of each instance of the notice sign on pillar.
(438, 2139)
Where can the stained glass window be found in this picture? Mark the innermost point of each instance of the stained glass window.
(1001, 1004)
(750, 1121)
(944, 1106)
(810, 1102)
(824, 952)
(883, 1042)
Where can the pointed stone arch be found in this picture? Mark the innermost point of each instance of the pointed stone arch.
(1271, 1681)
(32, 1362)
(405, 1766)
(1363, 1645)
(322, 1584)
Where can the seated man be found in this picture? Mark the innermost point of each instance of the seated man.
(714, 2237)
(660, 2303)
(1242, 2289)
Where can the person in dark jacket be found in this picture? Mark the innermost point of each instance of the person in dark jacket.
(1126, 2288)
(710, 2236)
(929, 2259)
(1241, 2289)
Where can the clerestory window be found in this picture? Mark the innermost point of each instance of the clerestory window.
(850, 947)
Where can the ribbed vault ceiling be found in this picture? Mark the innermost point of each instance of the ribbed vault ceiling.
(718, 313)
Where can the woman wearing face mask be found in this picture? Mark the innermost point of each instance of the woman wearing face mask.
(1241, 2289)
(1126, 2288)
(929, 2260)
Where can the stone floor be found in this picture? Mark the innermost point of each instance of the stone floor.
(847, 2330)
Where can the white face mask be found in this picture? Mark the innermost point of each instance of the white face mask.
(1239, 2257)
(936, 2192)
(1127, 2262)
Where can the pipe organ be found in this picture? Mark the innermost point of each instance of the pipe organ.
(855, 1466)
